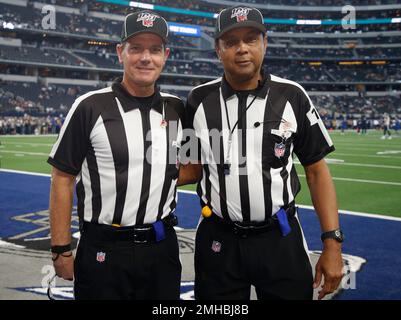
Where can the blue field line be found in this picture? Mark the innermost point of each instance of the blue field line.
(376, 240)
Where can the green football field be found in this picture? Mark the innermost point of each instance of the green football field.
(366, 170)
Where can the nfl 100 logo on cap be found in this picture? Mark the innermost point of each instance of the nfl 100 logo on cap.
(240, 13)
(147, 19)
(144, 21)
(238, 17)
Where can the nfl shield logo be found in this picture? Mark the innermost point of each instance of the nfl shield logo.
(100, 257)
(242, 18)
(216, 246)
(279, 149)
(147, 23)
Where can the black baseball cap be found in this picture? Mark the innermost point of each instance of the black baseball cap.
(238, 17)
(144, 21)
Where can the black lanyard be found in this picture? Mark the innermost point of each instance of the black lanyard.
(241, 115)
(227, 160)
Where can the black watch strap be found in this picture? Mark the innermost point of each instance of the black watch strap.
(61, 249)
(337, 235)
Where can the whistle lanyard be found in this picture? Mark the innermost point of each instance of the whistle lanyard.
(227, 161)
(163, 123)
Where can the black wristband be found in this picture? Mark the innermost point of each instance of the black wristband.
(61, 249)
(337, 235)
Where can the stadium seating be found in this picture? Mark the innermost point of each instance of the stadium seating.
(323, 58)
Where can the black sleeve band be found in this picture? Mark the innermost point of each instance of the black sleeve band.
(61, 249)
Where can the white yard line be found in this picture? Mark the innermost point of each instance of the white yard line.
(27, 136)
(358, 214)
(373, 149)
(28, 143)
(365, 156)
(25, 172)
(363, 181)
(346, 212)
(368, 144)
(23, 152)
(354, 213)
(187, 191)
(369, 165)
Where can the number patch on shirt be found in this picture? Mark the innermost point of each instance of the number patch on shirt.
(313, 116)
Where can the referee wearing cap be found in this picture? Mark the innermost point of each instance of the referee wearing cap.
(121, 146)
(250, 234)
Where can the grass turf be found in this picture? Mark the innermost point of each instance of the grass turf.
(371, 167)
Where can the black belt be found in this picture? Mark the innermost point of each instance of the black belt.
(245, 229)
(137, 234)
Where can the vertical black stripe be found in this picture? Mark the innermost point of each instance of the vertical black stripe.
(222, 182)
(267, 179)
(81, 201)
(206, 178)
(95, 184)
(213, 114)
(243, 176)
(147, 167)
(295, 184)
(167, 178)
(284, 176)
(173, 203)
(208, 186)
(115, 129)
(171, 152)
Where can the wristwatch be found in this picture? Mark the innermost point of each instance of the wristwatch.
(337, 235)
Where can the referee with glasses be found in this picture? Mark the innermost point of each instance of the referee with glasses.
(121, 145)
(248, 124)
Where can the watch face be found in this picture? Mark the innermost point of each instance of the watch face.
(339, 235)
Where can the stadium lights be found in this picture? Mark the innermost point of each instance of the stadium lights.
(350, 62)
(141, 5)
(8, 25)
(315, 63)
(378, 62)
(309, 22)
(98, 43)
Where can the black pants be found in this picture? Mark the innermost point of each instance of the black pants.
(149, 271)
(277, 266)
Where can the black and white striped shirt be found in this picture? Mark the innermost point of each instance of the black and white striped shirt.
(280, 120)
(124, 152)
